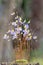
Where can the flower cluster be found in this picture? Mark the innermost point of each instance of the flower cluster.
(19, 27)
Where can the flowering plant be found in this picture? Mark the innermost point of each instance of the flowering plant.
(20, 29)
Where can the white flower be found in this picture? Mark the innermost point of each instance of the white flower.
(28, 30)
(34, 37)
(20, 18)
(12, 32)
(17, 32)
(29, 34)
(16, 29)
(24, 21)
(29, 38)
(13, 13)
(14, 23)
(14, 37)
(26, 26)
(25, 32)
(8, 31)
(6, 36)
(16, 17)
(20, 29)
(20, 22)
